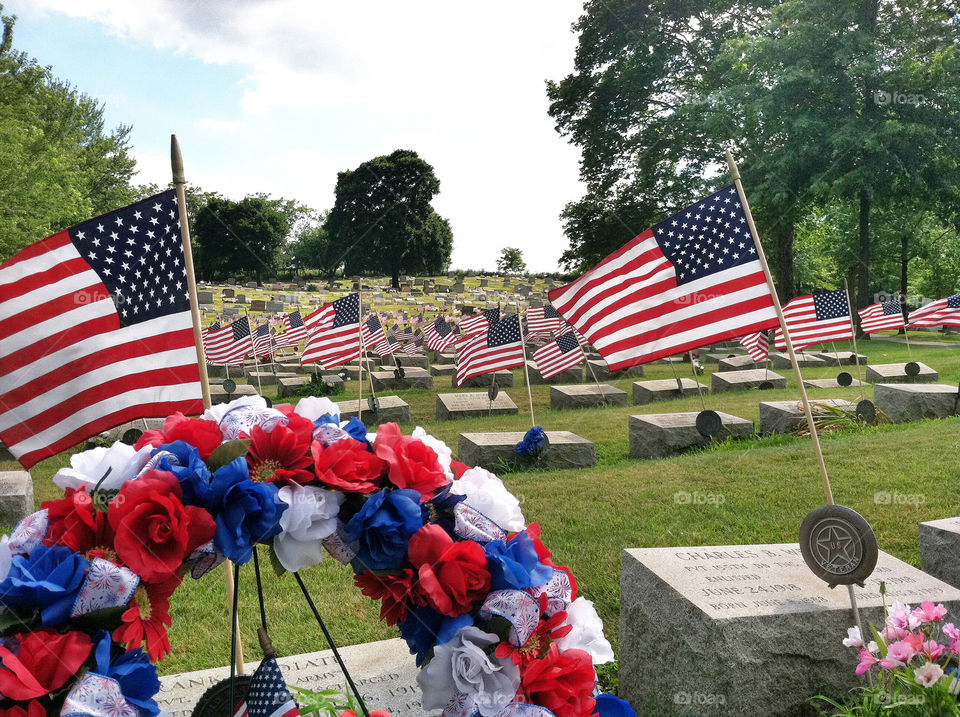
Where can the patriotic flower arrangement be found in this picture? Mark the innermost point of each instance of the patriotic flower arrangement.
(85, 582)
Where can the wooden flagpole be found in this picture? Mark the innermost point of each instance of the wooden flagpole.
(179, 181)
(256, 361)
(853, 331)
(696, 380)
(360, 339)
(526, 371)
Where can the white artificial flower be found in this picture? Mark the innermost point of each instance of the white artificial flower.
(486, 493)
(853, 638)
(873, 647)
(928, 675)
(114, 465)
(6, 557)
(444, 454)
(462, 664)
(312, 407)
(311, 516)
(216, 413)
(587, 632)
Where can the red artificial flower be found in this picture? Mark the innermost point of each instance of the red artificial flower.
(348, 465)
(147, 618)
(458, 468)
(76, 523)
(562, 682)
(279, 455)
(548, 630)
(203, 435)
(34, 709)
(392, 588)
(451, 575)
(413, 464)
(154, 530)
(43, 662)
(303, 427)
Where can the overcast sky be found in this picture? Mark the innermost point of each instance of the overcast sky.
(277, 96)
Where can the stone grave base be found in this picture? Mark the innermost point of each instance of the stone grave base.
(267, 378)
(451, 406)
(785, 416)
(504, 380)
(745, 380)
(939, 547)
(895, 373)
(804, 360)
(444, 359)
(571, 375)
(443, 369)
(913, 402)
(218, 395)
(829, 383)
(602, 371)
(586, 396)
(408, 361)
(393, 409)
(290, 385)
(492, 450)
(645, 392)
(412, 378)
(16, 496)
(843, 358)
(737, 363)
(718, 357)
(655, 435)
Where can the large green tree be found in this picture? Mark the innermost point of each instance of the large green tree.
(382, 220)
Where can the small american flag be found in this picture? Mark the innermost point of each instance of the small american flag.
(544, 319)
(294, 330)
(691, 280)
(438, 334)
(230, 344)
(757, 345)
(479, 323)
(390, 346)
(501, 347)
(263, 343)
(558, 356)
(333, 333)
(815, 318)
(372, 331)
(880, 316)
(267, 695)
(403, 334)
(414, 348)
(942, 312)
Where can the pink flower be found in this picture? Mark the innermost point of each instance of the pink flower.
(928, 612)
(892, 634)
(866, 661)
(898, 654)
(931, 649)
(853, 637)
(902, 618)
(928, 675)
(954, 634)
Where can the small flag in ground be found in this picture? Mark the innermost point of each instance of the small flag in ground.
(881, 316)
(815, 318)
(230, 344)
(501, 347)
(263, 343)
(691, 280)
(757, 345)
(390, 346)
(336, 338)
(372, 331)
(403, 334)
(479, 323)
(942, 312)
(544, 319)
(438, 334)
(558, 355)
(267, 695)
(414, 348)
(294, 330)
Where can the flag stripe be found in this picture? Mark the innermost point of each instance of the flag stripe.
(45, 250)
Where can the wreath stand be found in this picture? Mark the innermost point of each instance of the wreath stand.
(221, 699)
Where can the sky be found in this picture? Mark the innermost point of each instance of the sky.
(277, 96)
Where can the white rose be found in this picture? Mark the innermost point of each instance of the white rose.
(486, 493)
(312, 407)
(114, 465)
(311, 516)
(587, 632)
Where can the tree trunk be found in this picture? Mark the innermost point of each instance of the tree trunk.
(395, 277)
(783, 275)
(863, 270)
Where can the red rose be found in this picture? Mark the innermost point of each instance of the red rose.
(452, 575)
(458, 468)
(392, 588)
(154, 530)
(279, 455)
(413, 464)
(34, 709)
(203, 435)
(562, 682)
(303, 427)
(44, 661)
(75, 523)
(348, 465)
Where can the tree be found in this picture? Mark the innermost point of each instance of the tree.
(382, 221)
(511, 261)
(245, 236)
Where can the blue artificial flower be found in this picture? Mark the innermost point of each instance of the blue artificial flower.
(132, 670)
(610, 706)
(425, 628)
(531, 442)
(515, 565)
(383, 527)
(326, 418)
(246, 512)
(357, 429)
(189, 468)
(49, 578)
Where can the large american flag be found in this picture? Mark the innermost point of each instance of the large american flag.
(500, 347)
(942, 312)
(438, 334)
(267, 695)
(335, 336)
(544, 319)
(691, 280)
(559, 355)
(96, 330)
(230, 344)
(881, 316)
(294, 330)
(815, 318)
(757, 345)
(479, 323)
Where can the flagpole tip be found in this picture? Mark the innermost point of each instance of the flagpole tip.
(731, 163)
(176, 161)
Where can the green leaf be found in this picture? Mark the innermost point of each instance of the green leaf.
(106, 619)
(227, 452)
(18, 619)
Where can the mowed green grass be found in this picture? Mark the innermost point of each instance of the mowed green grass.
(761, 491)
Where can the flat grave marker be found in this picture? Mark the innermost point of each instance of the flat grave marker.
(451, 406)
(737, 363)
(722, 381)
(390, 409)
(939, 547)
(785, 416)
(492, 450)
(586, 395)
(656, 435)
(667, 389)
(901, 373)
(914, 402)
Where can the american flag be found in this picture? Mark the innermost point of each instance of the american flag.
(942, 312)
(294, 330)
(402, 334)
(438, 334)
(544, 319)
(691, 280)
(479, 323)
(230, 344)
(501, 347)
(263, 341)
(267, 695)
(414, 348)
(96, 330)
(335, 338)
(558, 355)
(880, 316)
(390, 346)
(757, 345)
(815, 318)
(372, 331)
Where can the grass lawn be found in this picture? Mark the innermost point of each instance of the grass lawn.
(590, 516)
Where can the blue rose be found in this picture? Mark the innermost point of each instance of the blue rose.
(531, 442)
(515, 565)
(49, 578)
(246, 512)
(132, 670)
(383, 527)
(357, 429)
(610, 706)
(425, 628)
(187, 465)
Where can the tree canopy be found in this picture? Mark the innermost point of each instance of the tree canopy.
(511, 261)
